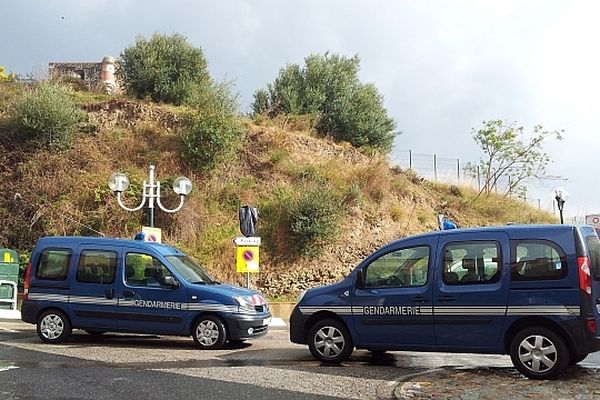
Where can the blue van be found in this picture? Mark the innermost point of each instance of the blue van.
(101, 285)
(530, 291)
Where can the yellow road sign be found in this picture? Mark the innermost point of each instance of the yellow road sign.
(247, 259)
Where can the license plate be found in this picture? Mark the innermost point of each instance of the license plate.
(267, 321)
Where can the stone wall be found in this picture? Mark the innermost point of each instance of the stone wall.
(89, 72)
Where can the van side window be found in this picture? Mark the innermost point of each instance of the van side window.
(54, 265)
(400, 268)
(144, 270)
(475, 262)
(96, 266)
(537, 260)
(593, 245)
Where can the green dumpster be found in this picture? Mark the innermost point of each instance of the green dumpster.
(9, 278)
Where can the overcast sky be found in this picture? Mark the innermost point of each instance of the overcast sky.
(443, 67)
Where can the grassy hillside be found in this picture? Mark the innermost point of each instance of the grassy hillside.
(280, 165)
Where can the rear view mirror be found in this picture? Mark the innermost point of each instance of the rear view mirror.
(170, 281)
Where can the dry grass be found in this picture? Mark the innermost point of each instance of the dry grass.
(66, 194)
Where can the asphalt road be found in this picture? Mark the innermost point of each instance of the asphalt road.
(153, 367)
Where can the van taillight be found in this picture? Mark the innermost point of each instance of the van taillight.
(591, 325)
(27, 280)
(585, 276)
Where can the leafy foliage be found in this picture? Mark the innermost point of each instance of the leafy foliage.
(327, 88)
(165, 68)
(47, 115)
(508, 156)
(3, 74)
(313, 217)
(211, 129)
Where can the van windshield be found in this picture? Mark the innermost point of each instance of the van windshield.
(190, 270)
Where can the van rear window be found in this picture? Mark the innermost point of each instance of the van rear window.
(593, 245)
(54, 265)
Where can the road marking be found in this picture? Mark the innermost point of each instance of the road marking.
(2, 369)
(277, 322)
(8, 330)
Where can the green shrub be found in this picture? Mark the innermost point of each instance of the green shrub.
(165, 68)
(47, 115)
(211, 130)
(328, 90)
(313, 217)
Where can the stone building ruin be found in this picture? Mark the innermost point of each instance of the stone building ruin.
(96, 76)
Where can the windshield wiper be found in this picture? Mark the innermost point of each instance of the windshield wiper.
(198, 283)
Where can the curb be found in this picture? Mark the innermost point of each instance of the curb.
(10, 314)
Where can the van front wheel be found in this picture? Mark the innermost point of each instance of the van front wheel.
(539, 353)
(53, 326)
(209, 333)
(329, 341)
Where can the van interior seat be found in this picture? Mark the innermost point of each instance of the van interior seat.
(451, 278)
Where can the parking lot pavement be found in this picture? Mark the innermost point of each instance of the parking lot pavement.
(273, 363)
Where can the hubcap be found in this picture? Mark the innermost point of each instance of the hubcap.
(329, 341)
(52, 326)
(207, 333)
(537, 353)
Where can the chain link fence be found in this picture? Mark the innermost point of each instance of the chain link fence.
(452, 171)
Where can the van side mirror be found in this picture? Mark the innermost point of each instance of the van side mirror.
(360, 279)
(170, 281)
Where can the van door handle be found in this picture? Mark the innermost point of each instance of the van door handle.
(128, 294)
(419, 299)
(109, 293)
(446, 298)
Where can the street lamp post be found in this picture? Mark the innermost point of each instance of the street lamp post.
(560, 195)
(119, 182)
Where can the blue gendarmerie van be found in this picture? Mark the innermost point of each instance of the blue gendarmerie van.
(531, 291)
(101, 285)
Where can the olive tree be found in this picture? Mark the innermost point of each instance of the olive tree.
(328, 89)
(166, 68)
(509, 156)
(47, 115)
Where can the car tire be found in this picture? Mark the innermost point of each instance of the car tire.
(209, 333)
(539, 353)
(329, 341)
(53, 326)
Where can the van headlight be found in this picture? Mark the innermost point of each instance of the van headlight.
(244, 303)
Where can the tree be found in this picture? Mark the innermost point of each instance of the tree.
(3, 74)
(47, 114)
(328, 89)
(508, 156)
(211, 129)
(165, 68)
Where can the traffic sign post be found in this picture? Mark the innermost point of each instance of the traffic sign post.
(248, 244)
(248, 253)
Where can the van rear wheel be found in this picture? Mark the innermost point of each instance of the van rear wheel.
(53, 326)
(329, 341)
(209, 333)
(539, 353)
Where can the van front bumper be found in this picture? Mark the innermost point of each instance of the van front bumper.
(245, 327)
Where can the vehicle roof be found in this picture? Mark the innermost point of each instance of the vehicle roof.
(532, 230)
(73, 241)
